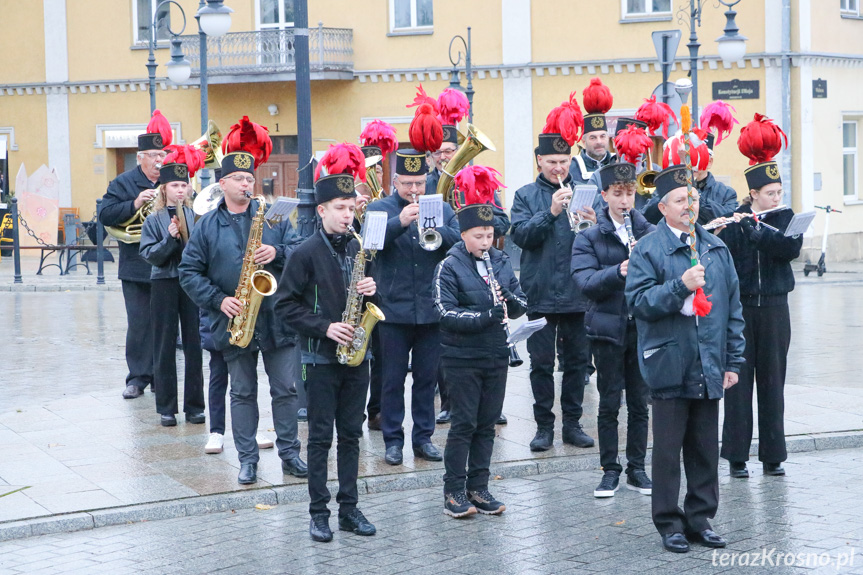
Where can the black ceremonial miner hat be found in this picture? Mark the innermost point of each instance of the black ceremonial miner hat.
(760, 175)
(550, 144)
(173, 173)
(616, 173)
(238, 162)
(410, 162)
(334, 186)
(670, 179)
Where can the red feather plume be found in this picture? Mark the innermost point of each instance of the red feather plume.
(699, 153)
(566, 120)
(426, 131)
(159, 125)
(247, 136)
(453, 106)
(656, 114)
(632, 142)
(343, 158)
(478, 184)
(191, 156)
(379, 133)
(423, 98)
(760, 140)
(597, 97)
(718, 115)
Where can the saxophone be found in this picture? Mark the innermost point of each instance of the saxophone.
(255, 284)
(354, 353)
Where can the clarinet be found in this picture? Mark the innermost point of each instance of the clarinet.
(627, 221)
(514, 360)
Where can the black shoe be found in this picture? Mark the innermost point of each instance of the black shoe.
(428, 452)
(393, 455)
(302, 414)
(738, 469)
(576, 436)
(248, 474)
(319, 528)
(485, 502)
(132, 391)
(168, 420)
(543, 440)
(355, 521)
(609, 484)
(675, 542)
(456, 505)
(443, 417)
(375, 422)
(637, 480)
(772, 469)
(195, 418)
(708, 538)
(295, 466)
(501, 420)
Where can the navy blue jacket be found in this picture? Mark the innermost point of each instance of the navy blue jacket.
(546, 257)
(763, 257)
(715, 199)
(403, 271)
(463, 299)
(681, 356)
(118, 205)
(210, 272)
(580, 176)
(161, 250)
(596, 257)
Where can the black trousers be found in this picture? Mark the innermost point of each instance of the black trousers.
(768, 336)
(566, 333)
(139, 333)
(337, 393)
(168, 302)
(443, 387)
(376, 375)
(217, 390)
(475, 402)
(617, 370)
(693, 426)
(420, 343)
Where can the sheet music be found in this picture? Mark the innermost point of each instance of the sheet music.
(282, 209)
(431, 211)
(582, 197)
(374, 230)
(799, 224)
(526, 329)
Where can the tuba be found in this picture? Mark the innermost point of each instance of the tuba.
(645, 180)
(129, 232)
(207, 199)
(210, 142)
(376, 192)
(475, 143)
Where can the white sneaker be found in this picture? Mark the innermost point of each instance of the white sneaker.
(263, 442)
(215, 444)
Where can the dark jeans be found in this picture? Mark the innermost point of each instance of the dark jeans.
(768, 335)
(168, 302)
(376, 376)
(337, 393)
(422, 344)
(282, 366)
(567, 331)
(217, 391)
(617, 370)
(139, 333)
(476, 403)
(693, 426)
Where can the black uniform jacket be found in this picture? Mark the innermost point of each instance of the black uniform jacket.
(118, 205)
(161, 250)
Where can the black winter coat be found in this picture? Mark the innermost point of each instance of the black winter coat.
(763, 257)
(681, 356)
(161, 250)
(118, 205)
(546, 257)
(463, 299)
(596, 257)
(715, 199)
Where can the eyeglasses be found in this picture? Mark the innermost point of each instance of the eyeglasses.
(155, 155)
(771, 194)
(439, 153)
(240, 179)
(412, 185)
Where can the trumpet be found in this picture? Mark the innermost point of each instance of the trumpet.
(645, 180)
(720, 222)
(576, 222)
(430, 238)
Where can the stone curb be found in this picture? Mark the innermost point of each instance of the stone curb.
(24, 288)
(64, 523)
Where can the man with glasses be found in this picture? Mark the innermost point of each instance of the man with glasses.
(404, 274)
(126, 194)
(440, 158)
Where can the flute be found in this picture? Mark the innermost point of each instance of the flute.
(725, 221)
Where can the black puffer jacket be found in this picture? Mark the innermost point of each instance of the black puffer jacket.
(763, 257)
(463, 298)
(596, 257)
(716, 199)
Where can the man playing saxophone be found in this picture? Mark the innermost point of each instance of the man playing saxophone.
(210, 273)
(315, 288)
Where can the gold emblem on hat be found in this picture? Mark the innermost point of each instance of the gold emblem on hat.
(447, 134)
(181, 171)
(485, 213)
(679, 177)
(597, 122)
(345, 184)
(413, 164)
(157, 140)
(243, 161)
(772, 172)
(559, 145)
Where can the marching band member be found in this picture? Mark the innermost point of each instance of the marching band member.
(311, 298)
(210, 273)
(475, 354)
(600, 258)
(597, 100)
(763, 258)
(163, 238)
(716, 199)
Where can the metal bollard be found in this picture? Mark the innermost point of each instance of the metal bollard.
(100, 233)
(15, 242)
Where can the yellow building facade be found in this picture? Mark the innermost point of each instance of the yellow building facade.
(73, 90)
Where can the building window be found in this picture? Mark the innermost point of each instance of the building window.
(142, 14)
(849, 7)
(646, 8)
(275, 14)
(408, 15)
(849, 159)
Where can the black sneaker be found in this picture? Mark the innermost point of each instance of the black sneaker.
(319, 528)
(609, 484)
(501, 420)
(543, 440)
(576, 436)
(355, 521)
(485, 502)
(637, 480)
(738, 469)
(456, 505)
